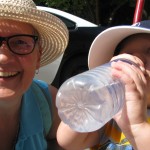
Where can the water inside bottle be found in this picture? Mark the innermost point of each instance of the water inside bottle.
(89, 101)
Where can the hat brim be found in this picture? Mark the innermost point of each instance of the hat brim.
(53, 32)
(104, 45)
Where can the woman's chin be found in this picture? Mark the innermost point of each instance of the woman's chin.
(6, 94)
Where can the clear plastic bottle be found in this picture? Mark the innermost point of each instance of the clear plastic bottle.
(89, 100)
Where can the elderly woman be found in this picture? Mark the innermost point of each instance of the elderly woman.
(29, 39)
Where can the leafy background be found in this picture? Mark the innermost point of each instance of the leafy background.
(102, 12)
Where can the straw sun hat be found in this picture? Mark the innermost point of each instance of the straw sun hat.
(52, 31)
(104, 45)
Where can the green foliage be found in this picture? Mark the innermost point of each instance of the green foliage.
(72, 6)
(104, 12)
(82, 8)
(39, 2)
(60, 4)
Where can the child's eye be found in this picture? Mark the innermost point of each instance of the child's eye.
(148, 51)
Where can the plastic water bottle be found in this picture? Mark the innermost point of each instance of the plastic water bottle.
(89, 100)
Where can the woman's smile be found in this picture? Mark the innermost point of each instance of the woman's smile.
(8, 74)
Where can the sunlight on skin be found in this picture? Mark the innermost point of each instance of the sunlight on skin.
(23, 66)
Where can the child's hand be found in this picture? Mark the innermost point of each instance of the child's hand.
(133, 113)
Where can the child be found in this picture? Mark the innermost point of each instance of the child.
(129, 128)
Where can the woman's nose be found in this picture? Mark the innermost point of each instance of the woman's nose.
(5, 54)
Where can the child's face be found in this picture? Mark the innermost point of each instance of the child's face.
(139, 45)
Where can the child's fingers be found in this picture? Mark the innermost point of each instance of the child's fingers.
(132, 76)
(131, 58)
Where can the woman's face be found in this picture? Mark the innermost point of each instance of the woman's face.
(16, 71)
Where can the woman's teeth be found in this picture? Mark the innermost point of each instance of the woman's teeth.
(7, 74)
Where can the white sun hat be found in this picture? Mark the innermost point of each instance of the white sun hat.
(104, 45)
(52, 31)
